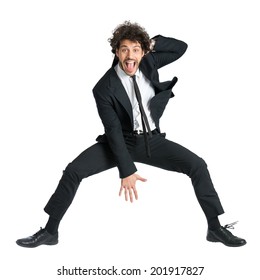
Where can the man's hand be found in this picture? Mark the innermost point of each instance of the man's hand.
(152, 44)
(128, 185)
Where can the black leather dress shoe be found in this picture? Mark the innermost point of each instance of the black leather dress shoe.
(41, 237)
(225, 236)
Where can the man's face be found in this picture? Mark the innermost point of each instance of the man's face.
(129, 54)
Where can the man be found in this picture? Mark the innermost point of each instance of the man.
(130, 101)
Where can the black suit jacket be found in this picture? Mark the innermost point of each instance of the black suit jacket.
(114, 106)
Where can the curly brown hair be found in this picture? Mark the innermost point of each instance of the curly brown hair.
(130, 31)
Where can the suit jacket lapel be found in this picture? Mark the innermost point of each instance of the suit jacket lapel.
(118, 90)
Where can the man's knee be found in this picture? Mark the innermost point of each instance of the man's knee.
(201, 162)
(198, 164)
(71, 173)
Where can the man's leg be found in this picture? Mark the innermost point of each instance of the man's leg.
(174, 157)
(93, 160)
(171, 156)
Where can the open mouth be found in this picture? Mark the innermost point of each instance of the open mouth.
(130, 65)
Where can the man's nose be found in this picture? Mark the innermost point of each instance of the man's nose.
(130, 54)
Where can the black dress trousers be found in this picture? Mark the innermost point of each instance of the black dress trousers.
(165, 154)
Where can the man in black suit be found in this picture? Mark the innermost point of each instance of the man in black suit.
(130, 101)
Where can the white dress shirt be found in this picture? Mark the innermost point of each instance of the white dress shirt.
(147, 92)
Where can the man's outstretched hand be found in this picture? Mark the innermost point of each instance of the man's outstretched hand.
(129, 188)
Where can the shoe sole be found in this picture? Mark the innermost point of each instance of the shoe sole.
(214, 240)
(46, 243)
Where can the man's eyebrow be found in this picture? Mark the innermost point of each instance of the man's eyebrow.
(125, 46)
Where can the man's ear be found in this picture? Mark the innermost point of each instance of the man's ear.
(116, 52)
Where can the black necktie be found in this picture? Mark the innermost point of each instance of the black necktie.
(145, 123)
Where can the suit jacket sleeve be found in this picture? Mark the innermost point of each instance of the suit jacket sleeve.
(114, 134)
(167, 50)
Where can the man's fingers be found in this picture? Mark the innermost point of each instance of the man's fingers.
(135, 193)
(126, 194)
(120, 191)
(141, 178)
(130, 194)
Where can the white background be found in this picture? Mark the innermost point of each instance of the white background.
(52, 54)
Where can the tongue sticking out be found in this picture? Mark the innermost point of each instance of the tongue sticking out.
(130, 66)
